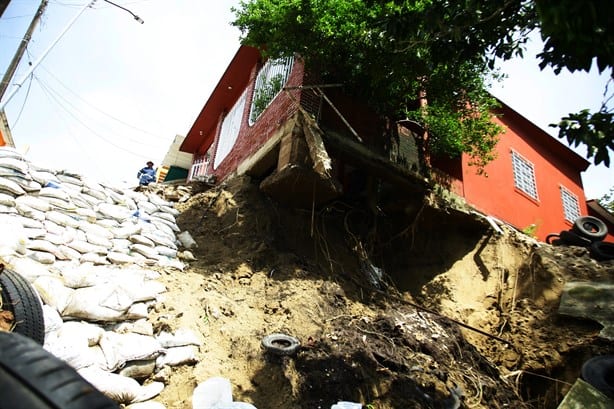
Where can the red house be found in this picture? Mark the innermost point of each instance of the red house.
(253, 123)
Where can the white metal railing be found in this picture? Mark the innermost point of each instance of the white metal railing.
(269, 82)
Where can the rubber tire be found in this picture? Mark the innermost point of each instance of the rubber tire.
(571, 238)
(552, 237)
(281, 344)
(602, 250)
(599, 372)
(32, 378)
(19, 297)
(590, 227)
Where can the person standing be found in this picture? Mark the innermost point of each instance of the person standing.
(147, 175)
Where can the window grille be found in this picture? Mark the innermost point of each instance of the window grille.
(524, 175)
(199, 166)
(571, 205)
(270, 80)
(231, 125)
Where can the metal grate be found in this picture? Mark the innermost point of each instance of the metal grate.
(269, 82)
(524, 175)
(571, 205)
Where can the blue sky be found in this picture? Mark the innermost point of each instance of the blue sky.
(113, 93)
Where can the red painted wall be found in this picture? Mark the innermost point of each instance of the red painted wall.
(496, 195)
(251, 138)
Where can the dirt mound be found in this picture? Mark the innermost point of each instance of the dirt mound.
(423, 308)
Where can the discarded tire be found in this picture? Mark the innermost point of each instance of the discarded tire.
(571, 238)
(553, 238)
(32, 378)
(590, 227)
(599, 372)
(281, 344)
(19, 297)
(602, 251)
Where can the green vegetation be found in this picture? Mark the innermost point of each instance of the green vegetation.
(431, 61)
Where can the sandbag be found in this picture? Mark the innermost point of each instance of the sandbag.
(9, 187)
(120, 388)
(41, 256)
(181, 337)
(177, 356)
(116, 212)
(146, 251)
(86, 331)
(140, 239)
(14, 163)
(29, 212)
(121, 348)
(140, 369)
(7, 200)
(53, 192)
(103, 302)
(62, 219)
(79, 276)
(53, 292)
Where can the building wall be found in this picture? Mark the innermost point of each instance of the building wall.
(496, 195)
(252, 137)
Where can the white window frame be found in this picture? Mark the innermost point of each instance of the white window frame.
(571, 204)
(270, 80)
(524, 175)
(229, 131)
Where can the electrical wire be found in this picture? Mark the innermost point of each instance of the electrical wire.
(81, 112)
(100, 110)
(69, 132)
(108, 141)
(24, 102)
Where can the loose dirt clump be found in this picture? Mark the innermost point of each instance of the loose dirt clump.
(423, 308)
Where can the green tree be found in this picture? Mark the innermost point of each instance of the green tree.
(393, 52)
(607, 200)
(578, 34)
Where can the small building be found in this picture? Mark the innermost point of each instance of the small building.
(596, 210)
(308, 143)
(176, 164)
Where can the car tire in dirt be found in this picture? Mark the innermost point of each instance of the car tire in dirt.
(20, 298)
(590, 227)
(32, 378)
(571, 238)
(602, 251)
(599, 372)
(281, 344)
(553, 239)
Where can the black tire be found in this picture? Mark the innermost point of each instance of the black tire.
(21, 299)
(602, 251)
(281, 344)
(32, 378)
(599, 372)
(570, 238)
(590, 227)
(552, 238)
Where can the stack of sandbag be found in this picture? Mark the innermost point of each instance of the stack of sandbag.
(58, 215)
(85, 247)
(117, 358)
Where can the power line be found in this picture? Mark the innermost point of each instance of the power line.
(100, 110)
(60, 104)
(69, 131)
(24, 102)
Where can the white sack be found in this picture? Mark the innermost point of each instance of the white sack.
(177, 356)
(121, 348)
(53, 292)
(120, 388)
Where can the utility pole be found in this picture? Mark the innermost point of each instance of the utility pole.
(5, 131)
(10, 71)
